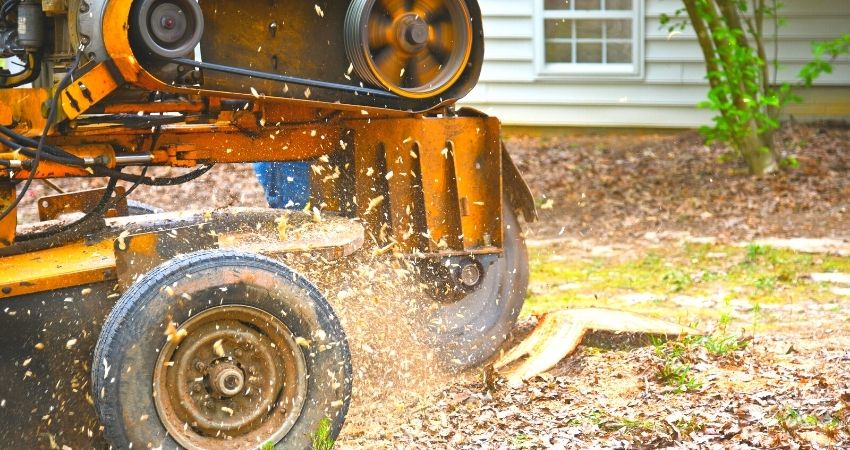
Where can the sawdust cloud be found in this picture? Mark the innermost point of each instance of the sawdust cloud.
(384, 310)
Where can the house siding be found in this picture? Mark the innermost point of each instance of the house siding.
(672, 79)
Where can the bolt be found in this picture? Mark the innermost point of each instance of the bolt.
(238, 353)
(470, 275)
(85, 40)
(84, 7)
(200, 366)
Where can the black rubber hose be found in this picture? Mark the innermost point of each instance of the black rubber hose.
(51, 116)
(149, 181)
(23, 141)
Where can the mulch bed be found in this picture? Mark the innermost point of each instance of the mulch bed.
(617, 187)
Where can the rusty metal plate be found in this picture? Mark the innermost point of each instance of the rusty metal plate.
(51, 207)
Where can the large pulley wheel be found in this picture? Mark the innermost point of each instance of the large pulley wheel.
(472, 329)
(221, 349)
(166, 28)
(413, 48)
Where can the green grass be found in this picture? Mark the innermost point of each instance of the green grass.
(755, 274)
(321, 438)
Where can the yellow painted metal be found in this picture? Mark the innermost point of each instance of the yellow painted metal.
(23, 107)
(9, 224)
(447, 168)
(116, 20)
(75, 264)
(87, 90)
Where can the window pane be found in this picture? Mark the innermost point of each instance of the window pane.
(619, 53)
(559, 28)
(557, 4)
(618, 4)
(589, 53)
(619, 29)
(559, 53)
(589, 29)
(588, 4)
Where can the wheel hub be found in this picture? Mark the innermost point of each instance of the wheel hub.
(226, 379)
(238, 373)
(412, 33)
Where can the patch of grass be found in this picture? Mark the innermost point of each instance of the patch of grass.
(676, 280)
(689, 425)
(719, 345)
(594, 417)
(755, 251)
(321, 438)
(678, 375)
(673, 370)
(831, 427)
(522, 441)
(792, 419)
(629, 425)
(766, 283)
(755, 273)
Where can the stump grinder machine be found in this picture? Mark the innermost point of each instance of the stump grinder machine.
(126, 327)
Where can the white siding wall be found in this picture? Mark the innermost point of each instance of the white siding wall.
(673, 78)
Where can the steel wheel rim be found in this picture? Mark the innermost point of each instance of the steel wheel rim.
(385, 43)
(237, 378)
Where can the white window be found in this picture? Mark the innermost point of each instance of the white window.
(589, 38)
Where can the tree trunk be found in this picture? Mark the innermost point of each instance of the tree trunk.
(757, 153)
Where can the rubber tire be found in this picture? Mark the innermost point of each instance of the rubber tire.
(135, 208)
(478, 325)
(127, 350)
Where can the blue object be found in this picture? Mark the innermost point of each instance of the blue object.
(286, 184)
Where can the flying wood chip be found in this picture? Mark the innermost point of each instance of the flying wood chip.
(559, 333)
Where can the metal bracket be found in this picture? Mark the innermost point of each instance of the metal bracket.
(87, 90)
(52, 206)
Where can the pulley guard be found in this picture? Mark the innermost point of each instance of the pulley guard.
(288, 51)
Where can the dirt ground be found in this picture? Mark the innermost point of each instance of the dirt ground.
(633, 222)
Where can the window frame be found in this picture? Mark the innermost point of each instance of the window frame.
(589, 71)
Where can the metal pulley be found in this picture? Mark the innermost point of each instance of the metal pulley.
(416, 49)
(166, 28)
